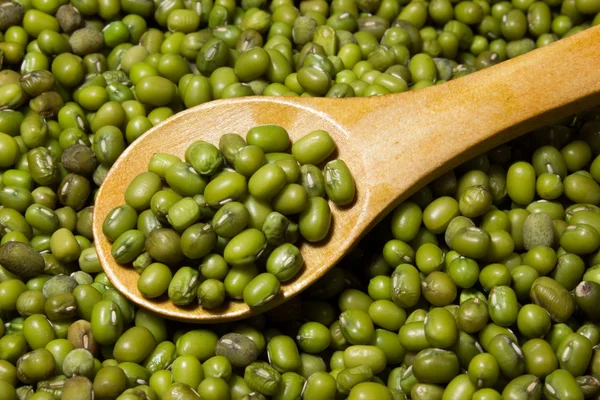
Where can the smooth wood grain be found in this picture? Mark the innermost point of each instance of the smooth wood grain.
(393, 144)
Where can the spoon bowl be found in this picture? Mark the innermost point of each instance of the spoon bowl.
(393, 144)
(208, 122)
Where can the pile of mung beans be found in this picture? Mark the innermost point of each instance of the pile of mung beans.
(485, 284)
(241, 205)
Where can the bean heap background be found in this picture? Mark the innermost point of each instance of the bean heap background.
(495, 293)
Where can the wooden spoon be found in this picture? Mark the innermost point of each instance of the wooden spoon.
(393, 145)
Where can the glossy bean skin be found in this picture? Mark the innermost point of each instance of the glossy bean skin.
(261, 289)
(120, 220)
(573, 352)
(521, 183)
(508, 355)
(368, 355)
(426, 359)
(283, 354)
(567, 386)
(107, 322)
(503, 305)
(313, 148)
(141, 189)
(339, 183)
(406, 286)
(315, 220)
(526, 383)
(440, 328)
(539, 358)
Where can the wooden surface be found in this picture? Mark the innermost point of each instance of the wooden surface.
(393, 145)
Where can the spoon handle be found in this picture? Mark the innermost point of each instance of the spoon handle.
(412, 138)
